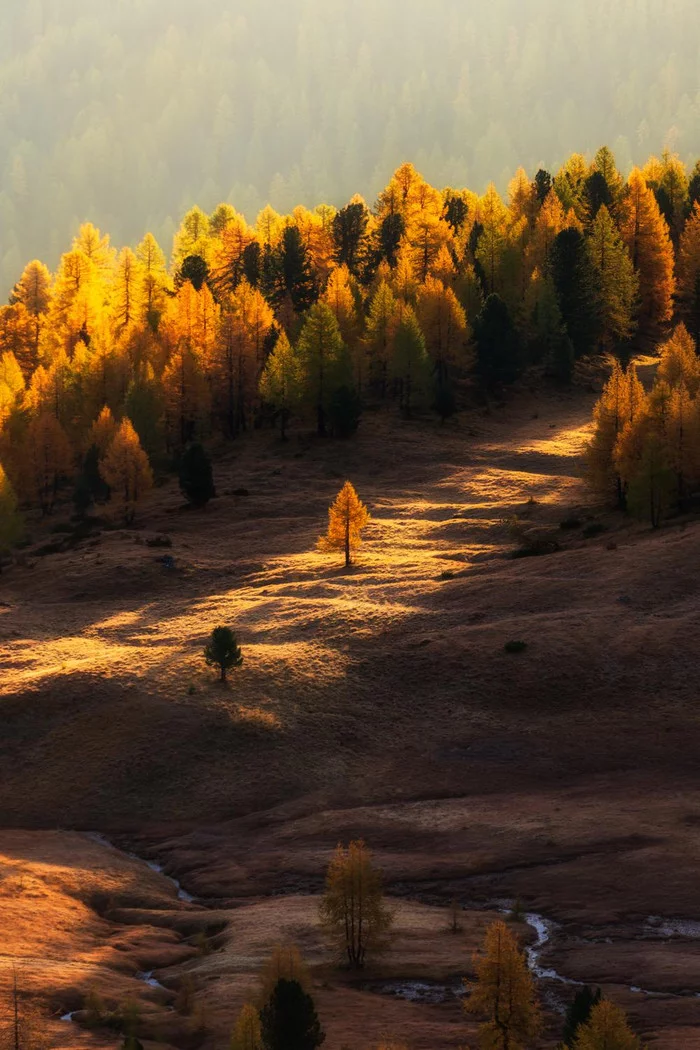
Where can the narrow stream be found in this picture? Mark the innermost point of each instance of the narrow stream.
(182, 895)
(435, 992)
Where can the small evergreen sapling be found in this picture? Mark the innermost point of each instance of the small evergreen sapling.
(223, 651)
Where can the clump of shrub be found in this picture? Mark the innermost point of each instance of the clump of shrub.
(515, 647)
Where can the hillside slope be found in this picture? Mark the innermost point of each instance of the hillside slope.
(392, 677)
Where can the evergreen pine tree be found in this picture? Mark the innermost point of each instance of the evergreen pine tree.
(579, 1012)
(223, 651)
(497, 344)
(577, 288)
(196, 476)
(289, 1020)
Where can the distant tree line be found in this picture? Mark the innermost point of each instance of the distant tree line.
(113, 112)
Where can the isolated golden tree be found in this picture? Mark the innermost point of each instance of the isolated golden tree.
(247, 1034)
(503, 993)
(352, 910)
(125, 468)
(607, 1029)
(347, 517)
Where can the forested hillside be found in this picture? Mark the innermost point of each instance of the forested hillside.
(417, 303)
(127, 112)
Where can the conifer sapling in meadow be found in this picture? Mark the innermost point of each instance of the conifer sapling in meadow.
(347, 517)
(223, 651)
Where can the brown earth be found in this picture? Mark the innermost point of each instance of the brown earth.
(378, 702)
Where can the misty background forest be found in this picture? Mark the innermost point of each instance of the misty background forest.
(127, 112)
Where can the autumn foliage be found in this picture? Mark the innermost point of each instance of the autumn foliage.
(503, 994)
(353, 911)
(347, 517)
(311, 316)
(645, 449)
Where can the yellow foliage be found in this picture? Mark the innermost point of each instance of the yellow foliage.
(679, 363)
(247, 1034)
(48, 458)
(646, 235)
(607, 1029)
(285, 963)
(347, 517)
(103, 431)
(126, 469)
(504, 993)
(352, 909)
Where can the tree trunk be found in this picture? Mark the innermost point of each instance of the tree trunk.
(223, 673)
(348, 561)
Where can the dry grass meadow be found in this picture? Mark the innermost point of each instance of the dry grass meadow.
(376, 702)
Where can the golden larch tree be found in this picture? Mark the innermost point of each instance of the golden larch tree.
(353, 911)
(247, 1034)
(607, 1029)
(48, 459)
(18, 336)
(125, 468)
(679, 361)
(503, 993)
(126, 291)
(648, 241)
(550, 221)
(642, 460)
(522, 197)
(11, 385)
(688, 272)
(495, 219)
(444, 324)
(153, 281)
(623, 398)
(347, 517)
(103, 431)
(243, 329)
(285, 963)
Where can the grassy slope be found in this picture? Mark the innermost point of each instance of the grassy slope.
(392, 678)
(571, 766)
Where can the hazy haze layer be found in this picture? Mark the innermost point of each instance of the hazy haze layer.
(126, 112)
